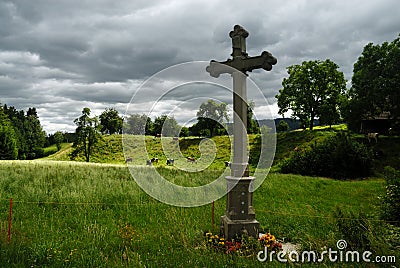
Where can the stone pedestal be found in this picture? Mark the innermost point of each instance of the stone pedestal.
(239, 215)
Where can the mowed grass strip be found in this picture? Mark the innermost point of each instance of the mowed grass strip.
(94, 215)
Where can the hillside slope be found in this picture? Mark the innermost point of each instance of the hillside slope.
(217, 150)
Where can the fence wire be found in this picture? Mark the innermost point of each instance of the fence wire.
(272, 212)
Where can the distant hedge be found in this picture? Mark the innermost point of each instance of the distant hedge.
(337, 157)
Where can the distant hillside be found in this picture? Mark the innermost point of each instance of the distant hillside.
(293, 123)
(109, 149)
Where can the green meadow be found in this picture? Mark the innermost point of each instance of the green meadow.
(73, 214)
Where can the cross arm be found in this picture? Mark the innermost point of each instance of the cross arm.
(243, 64)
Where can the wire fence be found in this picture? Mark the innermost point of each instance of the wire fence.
(270, 212)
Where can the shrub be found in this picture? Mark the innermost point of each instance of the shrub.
(337, 157)
(391, 199)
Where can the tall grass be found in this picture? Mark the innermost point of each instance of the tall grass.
(70, 214)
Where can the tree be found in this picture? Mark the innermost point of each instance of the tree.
(136, 124)
(149, 127)
(282, 126)
(17, 119)
(35, 137)
(184, 132)
(111, 122)
(312, 90)
(375, 84)
(264, 130)
(28, 132)
(58, 139)
(8, 140)
(166, 125)
(86, 134)
(252, 124)
(210, 116)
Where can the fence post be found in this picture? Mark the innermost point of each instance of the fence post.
(9, 220)
(212, 214)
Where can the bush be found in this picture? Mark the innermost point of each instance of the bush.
(337, 157)
(391, 199)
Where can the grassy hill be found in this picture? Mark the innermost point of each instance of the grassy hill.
(72, 214)
(217, 150)
(110, 150)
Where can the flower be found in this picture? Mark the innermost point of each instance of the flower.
(269, 241)
(243, 246)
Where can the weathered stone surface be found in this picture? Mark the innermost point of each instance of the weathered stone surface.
(239, 215)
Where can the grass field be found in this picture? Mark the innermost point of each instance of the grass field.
(71, 214)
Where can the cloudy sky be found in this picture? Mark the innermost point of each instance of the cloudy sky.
(60, 56)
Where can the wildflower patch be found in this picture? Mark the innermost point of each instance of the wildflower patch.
(246, 246)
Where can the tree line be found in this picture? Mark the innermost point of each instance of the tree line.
(212, 120)
(21, 135)
(317, 89)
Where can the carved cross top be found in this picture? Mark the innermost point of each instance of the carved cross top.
(240, 59)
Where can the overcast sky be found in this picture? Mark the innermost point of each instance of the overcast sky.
(60, 56)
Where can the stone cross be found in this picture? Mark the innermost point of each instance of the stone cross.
(239, 215)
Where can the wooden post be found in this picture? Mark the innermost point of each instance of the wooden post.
(9, 220)
(212, 214)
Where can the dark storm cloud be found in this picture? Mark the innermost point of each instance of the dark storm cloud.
(61, 56)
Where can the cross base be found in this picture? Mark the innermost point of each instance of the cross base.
(239, 218)
(233, 228)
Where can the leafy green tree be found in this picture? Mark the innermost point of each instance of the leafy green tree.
(58, 139)
(184, 132)
(35, 137)
(8, 140)
(264, 130)
(171, 128)
(312, 90)
(210, 116)
(375, 84)
(136, 124)
(87, 134)
(17, 119)
(166, 125)
(252, 124)
(329, 113)
(111, 122)
(282, 126)
(28, 131)
(149, 127)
